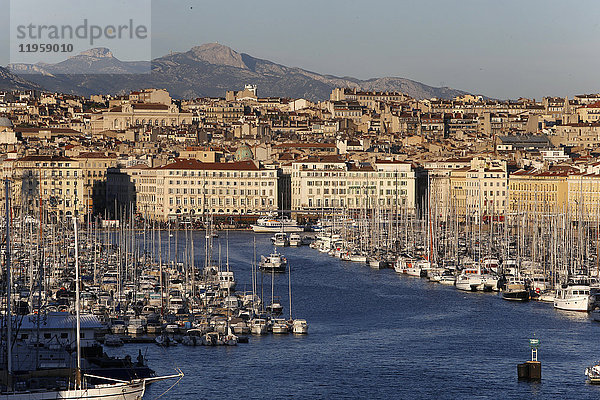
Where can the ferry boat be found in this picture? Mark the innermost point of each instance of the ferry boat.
(271, 224)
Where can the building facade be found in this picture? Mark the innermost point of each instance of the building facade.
(330, 184)
(190, 188)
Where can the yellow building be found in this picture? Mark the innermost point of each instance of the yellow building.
(584, 196)
(458, 191)
(57, 181)
(539, 192)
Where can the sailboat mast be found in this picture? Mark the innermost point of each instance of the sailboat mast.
(78, 374)
(8, 285)
(290, 289)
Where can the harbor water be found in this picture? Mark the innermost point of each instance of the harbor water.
(379, 335)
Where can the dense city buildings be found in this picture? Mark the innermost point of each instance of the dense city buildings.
(243, 155)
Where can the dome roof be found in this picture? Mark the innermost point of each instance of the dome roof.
(5, 123)
(243, 153)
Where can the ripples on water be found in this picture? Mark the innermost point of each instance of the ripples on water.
(375, 334)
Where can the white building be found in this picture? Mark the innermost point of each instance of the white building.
(191, 188)
(330, 183)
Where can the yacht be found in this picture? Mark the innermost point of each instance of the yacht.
(258, 326)
(280, 239)
(275, 262)
(272, 224)
(300, 327)
(469, 280)
(515, 290)
(403, 263)
(574, 296)
(295, 240)
(226, 280)
(593, 374)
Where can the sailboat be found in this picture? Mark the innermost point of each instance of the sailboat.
(125, 390)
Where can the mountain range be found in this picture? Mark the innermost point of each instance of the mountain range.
(206, 70)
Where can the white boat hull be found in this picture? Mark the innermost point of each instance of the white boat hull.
(121, 391)
(472, 284)
(275, 229)
(581, 303)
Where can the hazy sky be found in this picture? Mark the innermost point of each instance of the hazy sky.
(503, 49)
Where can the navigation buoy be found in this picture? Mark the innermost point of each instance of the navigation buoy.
(531, 370)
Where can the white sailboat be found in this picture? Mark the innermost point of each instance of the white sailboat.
(124, 390)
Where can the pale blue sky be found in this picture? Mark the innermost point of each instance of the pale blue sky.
(503, 49)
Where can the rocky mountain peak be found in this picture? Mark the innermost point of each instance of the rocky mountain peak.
(98, 52)
(218, 54)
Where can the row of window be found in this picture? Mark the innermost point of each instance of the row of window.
(228, 201)
(242, 192)
(352, 174)
(222, 174)
(220, 183)
(351, 202)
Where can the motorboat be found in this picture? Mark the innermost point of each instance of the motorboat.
(490, 282)
(274, 262)
(574, 296)
(280, 239)
(449, 280)
(376, 263)
(300, 327)
(295, 240)
(258, 326)
(470, 280)
(403, 263)
(280, 326)
(275, 308)
(515, 290)
(359, 258)
(113, 341)
(593, 374)
(226, 280)
(418, 268)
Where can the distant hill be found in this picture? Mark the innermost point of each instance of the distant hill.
(207, 70)
(10, 81)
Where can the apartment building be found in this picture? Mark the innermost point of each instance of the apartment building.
(56, 181)
(188, 187)
(330, 183)
(538, 192)
(486, 188)
(584, 196)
